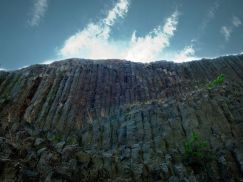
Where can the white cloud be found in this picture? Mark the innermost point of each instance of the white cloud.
(236, 21)
(2, 69)
(49, 61)
(90, 43)
(150, 47)
(26, 66)
(119, 10)
(210, 14)
(226, 32)
(38, 12)
(93, 42)
(187, 54)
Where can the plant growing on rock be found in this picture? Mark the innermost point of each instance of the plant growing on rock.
(72, 140)
(219, 80)
(196, 151)
(55, 138)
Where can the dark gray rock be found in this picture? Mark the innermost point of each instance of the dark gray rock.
(69, 151)
(29, 175)
(7, 150)
(39, 141)
(59, 146)
(85, 120)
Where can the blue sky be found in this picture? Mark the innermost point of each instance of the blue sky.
(41, 31)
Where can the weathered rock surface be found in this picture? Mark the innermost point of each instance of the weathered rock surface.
(84, 120)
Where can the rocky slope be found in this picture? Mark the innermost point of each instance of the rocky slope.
(113, 120)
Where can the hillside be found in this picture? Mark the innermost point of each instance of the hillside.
(115, 120)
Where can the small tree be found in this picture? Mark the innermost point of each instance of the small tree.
(196, 151)
(219, 80)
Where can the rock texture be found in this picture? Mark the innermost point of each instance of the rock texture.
(113, 120)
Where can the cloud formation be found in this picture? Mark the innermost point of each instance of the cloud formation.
(210, 14)
(150, 47)
(38, 12)
(187, 54)
(227, 31)
(236, 21)
(94, 42)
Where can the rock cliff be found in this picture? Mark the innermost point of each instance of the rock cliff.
(114, 120)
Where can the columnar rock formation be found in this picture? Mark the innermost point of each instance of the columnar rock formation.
(128, 119)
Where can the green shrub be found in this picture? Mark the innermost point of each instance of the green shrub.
(55, 138)
(196, 151)
(72, 140)
(219, 80)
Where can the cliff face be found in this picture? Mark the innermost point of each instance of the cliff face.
(129, 120)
